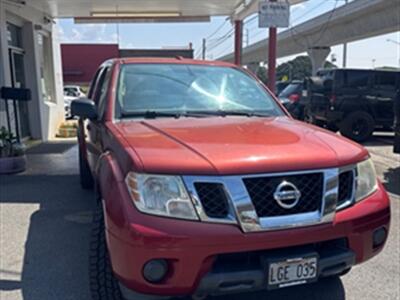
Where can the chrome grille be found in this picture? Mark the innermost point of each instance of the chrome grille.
(241, 200)
(346, 187)
(261, 191)
(213, 198)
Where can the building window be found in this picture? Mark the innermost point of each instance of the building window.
(46, 67)
(14, 35)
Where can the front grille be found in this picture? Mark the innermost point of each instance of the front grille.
(346, 180)
(261, 191)
(213, 199)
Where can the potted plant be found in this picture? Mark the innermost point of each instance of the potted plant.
(12, 154)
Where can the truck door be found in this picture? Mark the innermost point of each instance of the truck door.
(95, 127)
(356, 93)
(384, 90)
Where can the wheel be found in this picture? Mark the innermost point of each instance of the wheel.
(103, 284)
(358, 126)
(86, 177)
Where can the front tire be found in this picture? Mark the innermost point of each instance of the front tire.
(358, 126)
(86, 177)
(103, 284)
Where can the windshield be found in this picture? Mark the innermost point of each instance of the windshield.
(293, 88)
(170, 89)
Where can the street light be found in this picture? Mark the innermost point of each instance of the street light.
(393, 41)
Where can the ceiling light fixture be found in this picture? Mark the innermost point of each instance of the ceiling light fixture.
(135, 14)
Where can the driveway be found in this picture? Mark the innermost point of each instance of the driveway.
(45, 223)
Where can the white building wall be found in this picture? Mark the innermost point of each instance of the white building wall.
(45, 114)
(4, 63)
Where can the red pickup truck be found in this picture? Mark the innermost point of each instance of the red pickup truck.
(206, 185)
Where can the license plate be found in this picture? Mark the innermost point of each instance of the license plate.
(305, 93)
(293, 271)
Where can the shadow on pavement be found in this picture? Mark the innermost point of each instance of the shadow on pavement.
(392, 180)
(55, 261)
(379, 139)
(326, 289)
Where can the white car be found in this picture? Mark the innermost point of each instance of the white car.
(74, 91)
(71, 93)
(67, 105)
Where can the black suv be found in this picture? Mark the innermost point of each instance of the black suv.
(356, 102)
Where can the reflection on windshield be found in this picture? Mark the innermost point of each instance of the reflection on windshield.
(176, 88)
(220, 98)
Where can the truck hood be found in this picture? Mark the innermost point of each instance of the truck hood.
(235, 145)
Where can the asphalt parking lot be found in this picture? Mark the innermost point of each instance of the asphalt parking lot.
(45, 223)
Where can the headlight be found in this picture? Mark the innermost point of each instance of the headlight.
(160, 195)
(366, 180)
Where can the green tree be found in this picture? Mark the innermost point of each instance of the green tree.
(298, 68)
(262, 74)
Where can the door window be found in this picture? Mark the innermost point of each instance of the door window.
(102, 100)
(94, 83)
(385, 81)
(18, 81)
(357, 79)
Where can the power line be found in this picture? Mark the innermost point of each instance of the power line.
(218, 29)
(216, 42)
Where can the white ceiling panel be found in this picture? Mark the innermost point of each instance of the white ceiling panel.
(185, 8)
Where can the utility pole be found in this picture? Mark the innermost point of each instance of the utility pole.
(345, 47)
(204, 49)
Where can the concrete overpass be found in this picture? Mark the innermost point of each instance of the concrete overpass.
(357, 20)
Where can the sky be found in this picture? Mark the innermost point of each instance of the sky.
(368, 53)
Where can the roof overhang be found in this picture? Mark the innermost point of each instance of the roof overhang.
(106, 11)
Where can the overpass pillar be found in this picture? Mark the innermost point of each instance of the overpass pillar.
(318, 57)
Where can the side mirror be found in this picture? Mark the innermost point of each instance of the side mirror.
(84, 108)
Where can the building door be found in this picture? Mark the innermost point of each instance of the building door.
(18, 81)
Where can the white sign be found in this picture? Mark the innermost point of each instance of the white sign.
(273, 14)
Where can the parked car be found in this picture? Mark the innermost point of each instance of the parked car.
(292, 98)
(280, 86)
(356, 102)
(206, 186)
(71, 93)
(396, 109)
(74, 91)
(67, 105)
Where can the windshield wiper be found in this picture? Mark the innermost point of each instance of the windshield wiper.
(150, 114)
(224, 113)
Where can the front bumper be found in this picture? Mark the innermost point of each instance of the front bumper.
(192, 248)
(220, 282)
